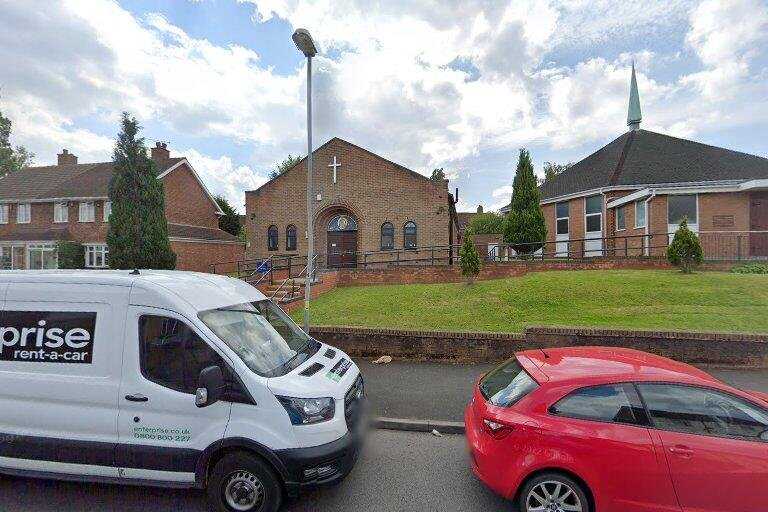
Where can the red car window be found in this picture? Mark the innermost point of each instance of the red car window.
(614, 403)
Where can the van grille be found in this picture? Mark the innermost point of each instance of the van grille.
(353, 402)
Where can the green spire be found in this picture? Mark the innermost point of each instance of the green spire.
(634, 116)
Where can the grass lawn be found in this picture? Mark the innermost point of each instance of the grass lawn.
(637, 299)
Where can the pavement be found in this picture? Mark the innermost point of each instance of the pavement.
(397, 471)
(438, 391)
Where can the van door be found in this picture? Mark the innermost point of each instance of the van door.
(162, 433)
(60, 359)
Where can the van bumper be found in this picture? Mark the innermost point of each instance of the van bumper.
(319, 466)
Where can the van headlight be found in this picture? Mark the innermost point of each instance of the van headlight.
(305, 411)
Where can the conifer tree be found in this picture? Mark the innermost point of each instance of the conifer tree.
(525, 228)
(685, 250)
(469, 260)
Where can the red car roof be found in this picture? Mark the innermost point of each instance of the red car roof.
(601, 364)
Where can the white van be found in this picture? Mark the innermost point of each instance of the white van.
(173, 379)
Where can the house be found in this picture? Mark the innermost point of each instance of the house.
(69, 201)
(629, 197)
(363, 204)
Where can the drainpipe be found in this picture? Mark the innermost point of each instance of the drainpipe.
(648, 221)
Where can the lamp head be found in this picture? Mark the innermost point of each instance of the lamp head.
(304, 42)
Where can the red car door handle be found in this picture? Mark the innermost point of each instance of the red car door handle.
(681, 450)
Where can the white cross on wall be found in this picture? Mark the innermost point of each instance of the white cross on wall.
(334, 164)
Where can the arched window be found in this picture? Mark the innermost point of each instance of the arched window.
(409, 235)
(290, 238)
(342, 223)
(387, 236)
(272, 238)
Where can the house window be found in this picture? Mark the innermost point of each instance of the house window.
(87, 212)
(387, 236)
(272, 238)
(96, 256)
(563, 218)
(60, 212)
(682, 207)
(640, 214)
(42, 256)
(24, 213)
(621, 221)
(11, 257)
(107, 210)
(290, 238)
(409, 235)
(3, 214)
(594, 214)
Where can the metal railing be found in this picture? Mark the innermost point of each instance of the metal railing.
(730, 246)
(292, 294)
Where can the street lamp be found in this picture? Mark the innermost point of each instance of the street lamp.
(303, 40)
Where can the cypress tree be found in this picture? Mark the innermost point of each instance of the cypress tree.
(138, 230)
(469, 260)
(685, 250)
(525, 228)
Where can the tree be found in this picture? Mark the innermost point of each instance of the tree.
(11, 159)
(551, 169)
(138, 230)
(525, 228)
(685, 250)
(489, 223)
(70, 254)
(469, 260)
(230, 221)
(438, 175)
(284, 166)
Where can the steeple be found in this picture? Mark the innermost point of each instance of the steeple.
(634, 116)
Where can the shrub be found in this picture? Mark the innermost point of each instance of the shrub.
(489, 223)
(751, 268)
(685, 250)
(71, 254)
(525, 228)
(469, 260)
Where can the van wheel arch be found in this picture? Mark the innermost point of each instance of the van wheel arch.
(214, 453)
(570, 474)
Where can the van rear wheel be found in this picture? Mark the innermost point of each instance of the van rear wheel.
(243, 483)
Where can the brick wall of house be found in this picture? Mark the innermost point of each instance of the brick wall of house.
(42, 219)
(198, 256)
(185, 200)
(369, 188)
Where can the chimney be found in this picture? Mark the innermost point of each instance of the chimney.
(160, 152)
(479, 208)
(66, 158)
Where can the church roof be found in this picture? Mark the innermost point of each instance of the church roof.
(641, 157)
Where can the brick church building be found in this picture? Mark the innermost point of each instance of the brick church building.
(366, 208)
(69, 201)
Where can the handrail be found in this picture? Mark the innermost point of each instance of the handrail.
(263, 274)
(314, 258)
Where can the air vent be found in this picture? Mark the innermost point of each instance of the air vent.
(311, 370)
(330, 353)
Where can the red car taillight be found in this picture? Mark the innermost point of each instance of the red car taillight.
(497, 430)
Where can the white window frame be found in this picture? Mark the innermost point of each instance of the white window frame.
(4, 213)
(619, 210)
(107, 210)
(672, 228)
(13, 253)
(96, 255)
(45, 248)
(25, 207)
(593, 244)
(86, 211)
(644, 209)
(58, 208)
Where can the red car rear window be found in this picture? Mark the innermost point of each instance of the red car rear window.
(507, 384)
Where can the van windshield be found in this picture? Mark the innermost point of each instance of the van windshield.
(262, 335)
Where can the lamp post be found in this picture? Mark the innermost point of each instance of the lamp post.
(303, 41)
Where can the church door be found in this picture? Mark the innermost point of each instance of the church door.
(342, 242)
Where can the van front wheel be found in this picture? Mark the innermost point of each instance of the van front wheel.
(242, 483)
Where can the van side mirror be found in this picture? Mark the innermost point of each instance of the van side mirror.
(210, 386)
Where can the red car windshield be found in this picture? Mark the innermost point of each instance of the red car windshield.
(507, 384)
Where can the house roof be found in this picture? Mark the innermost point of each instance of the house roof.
(642, 157)
(359, 148)
(63, 181)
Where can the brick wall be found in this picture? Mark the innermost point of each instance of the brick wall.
(42, 219)
(368, 187)
(198, 256)
(186, 201)
(468, 347)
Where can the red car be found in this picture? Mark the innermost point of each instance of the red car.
(614, 430)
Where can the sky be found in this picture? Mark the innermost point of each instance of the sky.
(457, 84)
